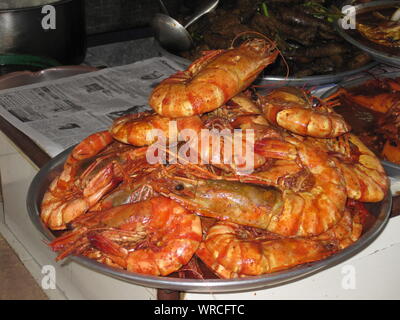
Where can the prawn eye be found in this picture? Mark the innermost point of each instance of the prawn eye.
(315, 102)
(179, 187)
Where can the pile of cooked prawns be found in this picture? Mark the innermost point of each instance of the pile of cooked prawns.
(302, 202)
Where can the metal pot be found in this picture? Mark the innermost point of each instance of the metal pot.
(57, 33)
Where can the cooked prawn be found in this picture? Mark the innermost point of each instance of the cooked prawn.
(62, 201)
(60, 206)
(154, 237)
(283, 211)
(231, 251)
(138, 129)
(83, 183)
(364, 175)
(90, 146)
(292, 108)
(318, 207)
(212, 80)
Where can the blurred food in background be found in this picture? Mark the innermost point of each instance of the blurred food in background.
(303, 30)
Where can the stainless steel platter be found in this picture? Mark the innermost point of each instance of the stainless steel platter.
(372, 49)
(22, 78)
(276, 81)
(359, 81)
(42, 180)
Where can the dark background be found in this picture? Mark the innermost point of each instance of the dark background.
(115, 15)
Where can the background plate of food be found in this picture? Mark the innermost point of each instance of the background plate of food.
(371, 105)
(304, 31)
(376, 30)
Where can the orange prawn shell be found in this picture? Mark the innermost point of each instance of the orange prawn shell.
(291, 108)
(170, 235)
(136, 129)
(212, 80)
(89, 146)
(180, 239)
(231, 255)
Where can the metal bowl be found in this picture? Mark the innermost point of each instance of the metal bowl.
(48, 172)
(392, 169)
(276, 81)
(371, 49)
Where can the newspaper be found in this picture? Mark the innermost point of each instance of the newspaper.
(58, 114)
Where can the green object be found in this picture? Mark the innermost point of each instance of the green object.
(319, 11)
(264, 9)
(27, 60)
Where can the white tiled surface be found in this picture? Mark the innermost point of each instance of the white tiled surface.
(377, 275)
(5, 146)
